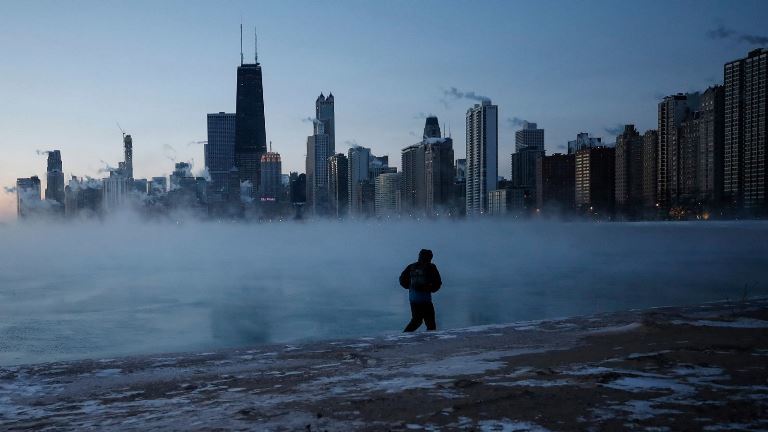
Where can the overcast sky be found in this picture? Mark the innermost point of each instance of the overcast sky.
(71, 70)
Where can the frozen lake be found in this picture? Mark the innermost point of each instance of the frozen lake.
(121, 288)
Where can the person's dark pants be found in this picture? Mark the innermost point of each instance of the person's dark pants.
(421, 312)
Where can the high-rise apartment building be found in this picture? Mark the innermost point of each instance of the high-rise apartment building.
(220, 154)
(250, 128)
(650, 168)
(746, 131)
(482, 138)
(709, 178)
(672, 111)
(555, 184)
(629, 171)
(595, 176)
(338, 185)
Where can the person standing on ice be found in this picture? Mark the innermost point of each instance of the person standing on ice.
(421, 279)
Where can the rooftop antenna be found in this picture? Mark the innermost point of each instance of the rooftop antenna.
(255, 46)
(241, 43)
(270, 146)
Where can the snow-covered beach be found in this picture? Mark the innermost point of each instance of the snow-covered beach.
(678, 368)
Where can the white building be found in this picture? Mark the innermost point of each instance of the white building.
(482, 155)
(115, 190)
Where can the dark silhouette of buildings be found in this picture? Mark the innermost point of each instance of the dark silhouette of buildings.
(250, 128)
(128, 156)
(297, 185)
(556, 184)
(711, 144)
(629, 171)
(54, 190)
(673, 110)
(650, 171)
(428, 173)
(595, 174)
(529, 147)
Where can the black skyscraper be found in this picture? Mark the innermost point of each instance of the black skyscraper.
(55, 189)
(250, 130)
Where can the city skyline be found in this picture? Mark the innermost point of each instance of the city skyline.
(161, 109)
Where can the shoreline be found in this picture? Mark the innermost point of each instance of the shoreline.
(681, 368)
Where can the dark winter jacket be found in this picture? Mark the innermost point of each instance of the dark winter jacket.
(421, 279)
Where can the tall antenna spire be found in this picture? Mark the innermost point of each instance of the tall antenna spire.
(241, 43)
(270, 146)
(255, 46)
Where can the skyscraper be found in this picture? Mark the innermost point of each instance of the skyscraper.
(482, 155)
(298, 188)
(27, 196)
(128, 155)
(629, 170)
(595, 176)
(359, 161)
(431, 128)
(271, 176)
(711, 144)
(529, 147)
(439, 174)
(54, 190)
(387, 192)
(338, 185)
(650, 171)
(555, 184)
(318, 152)
(746, 131)
(324, 112)
(672, 112)
(413, 196)
(220, 153)
(250, 128)
(83, 197)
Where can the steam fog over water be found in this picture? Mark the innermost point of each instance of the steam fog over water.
(95, 290)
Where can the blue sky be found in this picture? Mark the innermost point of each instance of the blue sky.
(71, 69)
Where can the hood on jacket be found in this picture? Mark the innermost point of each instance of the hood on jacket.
(425, 256)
